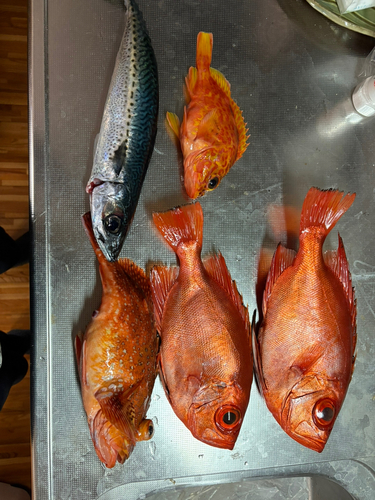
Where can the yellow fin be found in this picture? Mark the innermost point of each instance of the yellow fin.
(190, 82)
(241, 128)
(221, 81)
(174, 123)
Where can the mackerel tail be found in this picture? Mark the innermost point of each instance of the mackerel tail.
(127, 134)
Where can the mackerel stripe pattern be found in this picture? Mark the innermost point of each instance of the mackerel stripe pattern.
(128, 129)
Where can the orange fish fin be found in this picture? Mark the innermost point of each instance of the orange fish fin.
(216, 267)
(258, 371)
(338, 263)
(138, 276)
(78, 347)
(221, 81)
(190, 82)
(323, 208)
(162, 279)
(173, 123)
(204, 52)
(117, 408)
(241, 129)
(209, 126)
(182, 224)
(282, 258)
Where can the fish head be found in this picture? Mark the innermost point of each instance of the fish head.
(216, 414)
(204, 169)
(310, 410)
(110, 206)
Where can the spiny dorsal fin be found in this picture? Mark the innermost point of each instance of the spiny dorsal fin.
(241, 128)
(162, 279)
(283, 258)
(216, 267)
(338, 263)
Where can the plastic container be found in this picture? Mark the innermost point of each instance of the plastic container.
(364, 97)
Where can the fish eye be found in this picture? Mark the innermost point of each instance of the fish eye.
(150, 430)
(112, 223)
(324, 413)
(213, 183)
(227, 417)
(146, 430)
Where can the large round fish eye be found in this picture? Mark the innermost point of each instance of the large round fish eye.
(213, 183)
(227, 417)
(324, 413)
(112, 223)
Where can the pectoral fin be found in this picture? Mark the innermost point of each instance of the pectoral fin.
(117, 408)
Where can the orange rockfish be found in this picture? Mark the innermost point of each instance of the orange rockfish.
(117, 359)
(213, 132)
(205, 360)
(304, 353)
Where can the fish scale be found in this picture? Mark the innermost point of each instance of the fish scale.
(127, 135)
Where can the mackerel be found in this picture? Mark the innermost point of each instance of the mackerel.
(127, 134)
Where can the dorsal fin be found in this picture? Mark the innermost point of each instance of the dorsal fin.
(162, 279)
(241, 129)
(220, 80)
(338, 263)
(216, 267)
(117, 408)
(282, 258)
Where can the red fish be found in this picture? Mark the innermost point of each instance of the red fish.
(304, 354)
(117, 359)
(205, 359)
(213, 132)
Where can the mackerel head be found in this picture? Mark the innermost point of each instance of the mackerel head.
(126, 139)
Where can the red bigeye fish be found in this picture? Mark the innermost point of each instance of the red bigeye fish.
(117, 359)
(304, 353)
(213, 132)
(205, 359)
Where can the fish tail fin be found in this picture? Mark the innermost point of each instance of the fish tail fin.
(204, 52)
(180, 225)
(323, 208)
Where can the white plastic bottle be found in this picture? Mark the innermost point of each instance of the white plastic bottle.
(364, 97)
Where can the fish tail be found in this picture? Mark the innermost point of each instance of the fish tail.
(204, 51)
(323, 208)
(180, 225)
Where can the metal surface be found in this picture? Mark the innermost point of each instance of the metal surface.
(292, 73)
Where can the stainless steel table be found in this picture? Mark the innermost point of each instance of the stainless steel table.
(292, 73)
